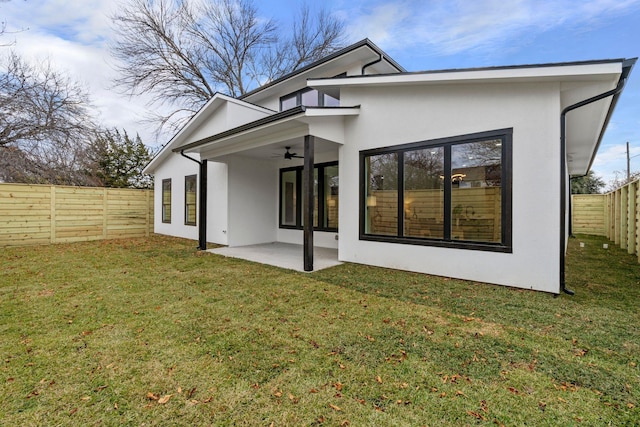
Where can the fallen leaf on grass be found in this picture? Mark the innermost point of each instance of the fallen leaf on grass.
(477, 415)
(191, 393)
(334, 407)
(164, 399)
(293, 399)
(152, 396)
(378, 379)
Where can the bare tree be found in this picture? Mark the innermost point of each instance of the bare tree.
(4, 30)
(181, 52)
(45, 123)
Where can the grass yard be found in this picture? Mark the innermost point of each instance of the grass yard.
(151, 332)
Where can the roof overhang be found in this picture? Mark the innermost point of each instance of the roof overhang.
(577, 81)
(325, 123)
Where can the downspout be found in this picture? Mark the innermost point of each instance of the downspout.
(202, 207)
(370, 64)
(563, 171)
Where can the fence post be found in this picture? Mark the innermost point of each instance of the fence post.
(624, 203)
(52, 200)
(147, 225)
(631, 219)
(105, 222)
(616, 217)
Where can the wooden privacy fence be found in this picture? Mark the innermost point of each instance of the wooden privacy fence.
(476, 213)
(615, 215)
(43, 214)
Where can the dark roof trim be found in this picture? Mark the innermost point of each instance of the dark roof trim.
(465, 70)
(627, 66)
(334, 55)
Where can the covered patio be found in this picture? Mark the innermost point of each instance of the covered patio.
(253, 188)
(283, 255)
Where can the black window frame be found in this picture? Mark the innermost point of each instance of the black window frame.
(194, 178)
(506, 244)
(321, 201)
(164, 206)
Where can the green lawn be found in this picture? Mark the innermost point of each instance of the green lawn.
(151, 332)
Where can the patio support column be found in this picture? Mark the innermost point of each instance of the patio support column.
(202, 209)
(307, 201)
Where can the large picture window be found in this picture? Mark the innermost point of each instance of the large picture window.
(166, 201)
(451, 192)
(325, 197)
(190, 186)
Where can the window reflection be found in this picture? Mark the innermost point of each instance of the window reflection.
(424, 193)
(381, 195)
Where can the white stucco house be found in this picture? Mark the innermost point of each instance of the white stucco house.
(461, 173)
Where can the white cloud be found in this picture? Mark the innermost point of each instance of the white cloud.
(73, 35)
(449, 27)
(612, 159)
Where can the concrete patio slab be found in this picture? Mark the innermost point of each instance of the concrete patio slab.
(284, 255)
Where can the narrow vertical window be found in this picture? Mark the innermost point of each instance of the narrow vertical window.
(424, 193)
(289, 198)
(381, 194)
(331, 191)
(166, 200)
(476, 195)
(190, 186)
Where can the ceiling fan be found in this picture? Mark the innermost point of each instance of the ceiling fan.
(288, 155)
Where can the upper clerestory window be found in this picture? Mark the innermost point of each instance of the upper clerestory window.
(309, 98)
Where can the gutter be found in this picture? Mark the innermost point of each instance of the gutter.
(202, 207)
(627, 65)
(365, 66)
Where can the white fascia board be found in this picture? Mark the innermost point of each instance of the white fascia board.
(594, 71)
(331, 112)
(204, 113)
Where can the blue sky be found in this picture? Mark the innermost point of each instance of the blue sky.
(420, 35)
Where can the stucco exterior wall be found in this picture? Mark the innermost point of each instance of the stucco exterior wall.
(252, 201)
(176, 168)
(419, 113)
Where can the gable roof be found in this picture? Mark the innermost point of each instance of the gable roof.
(197, 120)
